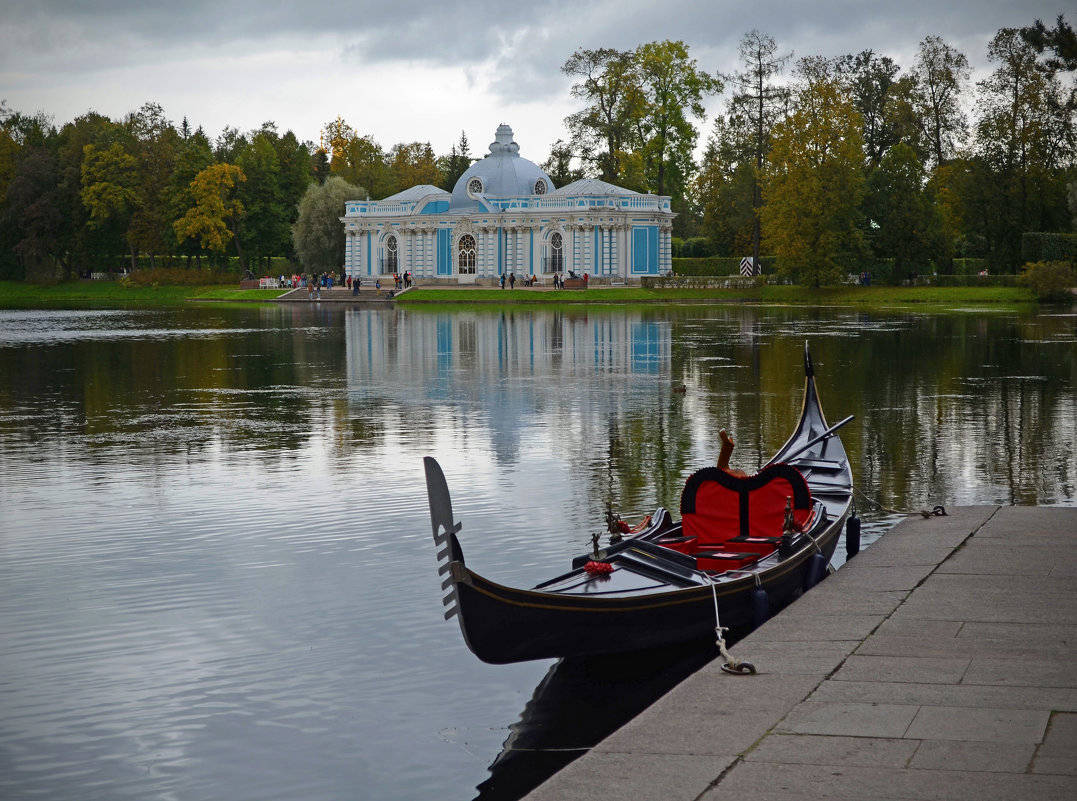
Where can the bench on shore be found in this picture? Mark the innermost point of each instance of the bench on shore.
(574, 283)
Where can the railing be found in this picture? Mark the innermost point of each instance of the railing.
(525, 203)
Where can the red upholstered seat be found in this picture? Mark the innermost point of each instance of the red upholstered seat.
(717, 506)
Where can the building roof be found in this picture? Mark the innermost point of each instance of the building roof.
(502, 173)
(592, 186)
(417, 192)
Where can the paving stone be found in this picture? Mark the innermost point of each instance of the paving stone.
(917, 669)
(849, 719)
(1022, 671)
(954, 647)
(1058, 753)
(864, 578)
(765, 780)
(1043, 523)
(814, 628)
(817, 602)
(922, 630)
(722, 714)
(809, 749)
(601, 776)
(994, 558)
(974, 599)
(809, 658)
(867, 692)
(1003, 757)
(979, 724)
(1063, 637)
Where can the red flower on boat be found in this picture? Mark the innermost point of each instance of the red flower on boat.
(598, 568)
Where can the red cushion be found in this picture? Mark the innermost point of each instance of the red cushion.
(716, 505)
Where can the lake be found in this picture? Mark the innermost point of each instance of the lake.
(217, 578)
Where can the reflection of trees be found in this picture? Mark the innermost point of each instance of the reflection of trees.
(176, 383)
(951, 408)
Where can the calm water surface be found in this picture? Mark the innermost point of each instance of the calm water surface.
(216, 572)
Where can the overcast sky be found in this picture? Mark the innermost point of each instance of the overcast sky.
(404, 71)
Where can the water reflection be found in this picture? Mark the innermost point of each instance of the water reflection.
(214, 529)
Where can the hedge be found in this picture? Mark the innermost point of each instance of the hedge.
(1037, 247)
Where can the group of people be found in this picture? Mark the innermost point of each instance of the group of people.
(402, 280)
(531, 280)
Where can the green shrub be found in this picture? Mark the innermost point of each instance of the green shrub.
(1051, 281)
(178, 276)
(1039, 247)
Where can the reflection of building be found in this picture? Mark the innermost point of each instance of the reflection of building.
(505, 216)
(514, 369)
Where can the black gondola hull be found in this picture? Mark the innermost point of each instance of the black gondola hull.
(504, 624)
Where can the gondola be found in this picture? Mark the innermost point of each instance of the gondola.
(744, 548)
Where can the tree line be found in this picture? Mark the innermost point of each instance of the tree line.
(821, 164)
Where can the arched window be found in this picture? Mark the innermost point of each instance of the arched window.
(556, 261)
(391, 262)
(466, 255)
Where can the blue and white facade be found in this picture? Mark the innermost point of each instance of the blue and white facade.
(505, 216)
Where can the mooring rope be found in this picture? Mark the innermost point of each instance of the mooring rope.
(937, 511)
(732, 664)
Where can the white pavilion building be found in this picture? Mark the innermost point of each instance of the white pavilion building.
(505, 216)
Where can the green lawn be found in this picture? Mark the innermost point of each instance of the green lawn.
(873, 296)
(81, 294)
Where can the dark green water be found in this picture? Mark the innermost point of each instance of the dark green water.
(216, 573)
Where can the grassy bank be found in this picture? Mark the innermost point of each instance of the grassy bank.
(837, 296)
(110, 294)
(113, 294)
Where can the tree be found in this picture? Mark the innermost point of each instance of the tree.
(215, 215)
(110, 188)
(885, 101)
(193, 154)
(905, 223)
(759, 103)
(318, 234)
(32, 206)
(413, 164)
(673, 88)
(359, 160)
(1060, 40)
(265, 227)
(456, 163)
(603, 131)
(941, 74)
(1025, 138)
(559, 165)
(85, 247)
(728, 188)
(813, 185)
(154, 142)
(319, 165)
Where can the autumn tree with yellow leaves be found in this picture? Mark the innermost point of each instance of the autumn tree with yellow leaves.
(215, 216)
(813, 183)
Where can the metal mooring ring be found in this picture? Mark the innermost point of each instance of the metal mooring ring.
(740, 669)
